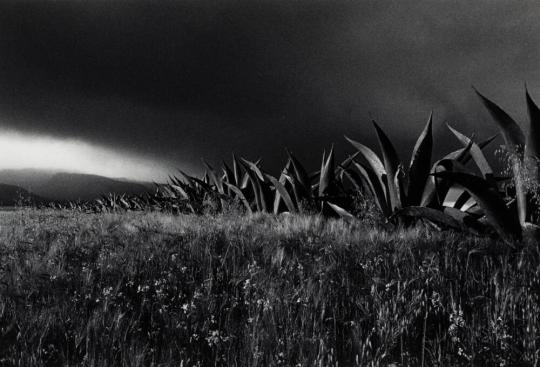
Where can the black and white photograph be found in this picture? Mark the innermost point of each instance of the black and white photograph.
(270, 183)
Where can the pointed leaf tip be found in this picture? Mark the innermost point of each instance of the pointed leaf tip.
(512, 133)
(420, 164)
(532, 148)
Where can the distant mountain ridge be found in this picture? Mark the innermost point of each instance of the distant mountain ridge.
(60, 186)
(11, 195)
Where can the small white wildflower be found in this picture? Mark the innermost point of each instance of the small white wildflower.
(107, 291)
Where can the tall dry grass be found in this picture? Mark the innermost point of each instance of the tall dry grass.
(141, 289)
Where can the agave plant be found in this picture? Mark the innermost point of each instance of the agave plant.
(418, 190)
(444, 196)
(510, 218)
(393, 185)
(295, 190)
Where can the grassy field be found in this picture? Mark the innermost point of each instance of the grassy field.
(150, 289)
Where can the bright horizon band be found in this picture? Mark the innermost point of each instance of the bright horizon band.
(22, 151)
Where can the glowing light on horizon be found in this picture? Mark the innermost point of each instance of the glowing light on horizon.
(20, 151)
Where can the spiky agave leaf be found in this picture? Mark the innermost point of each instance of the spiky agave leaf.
(236, 170)
(123, 202)
(264, 193)
(347, 162)
(340, 211)
(399, 182)
(487, 196)
(434, 191)
(259, 185)
(283, 193)
(371, 158)
(180, 190)
(186, 178)
(355, 179)
(201, 185)
(345, 170)
(228, 174)
(532, 148)
(532, 152)
(433, 215)
(462, 199)
(242, 179)
(488, 141)
(463, 216)
(327, 175)
(376, 188)
(284, 179)
(240, 195)
(512, 133)
(173, 179)
(301, 176)
(515, 142)
(420, 165)
(463, 155)
(476, 153)
(391, 164)
(255, 168)
(470, 221)
(216, 179)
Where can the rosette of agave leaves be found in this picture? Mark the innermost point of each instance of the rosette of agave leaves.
(518, 216)
(417, 190)
(448, 192)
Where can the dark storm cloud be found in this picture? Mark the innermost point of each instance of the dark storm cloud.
(181, 80)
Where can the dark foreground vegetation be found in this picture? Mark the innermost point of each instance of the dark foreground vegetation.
(138, 289)
(459, 190)
(366, 262)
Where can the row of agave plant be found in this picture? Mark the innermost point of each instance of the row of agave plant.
(447, 192)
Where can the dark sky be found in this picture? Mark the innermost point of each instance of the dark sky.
(188, 79)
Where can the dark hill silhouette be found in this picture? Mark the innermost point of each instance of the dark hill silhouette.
(29, 179)
(11, 195)
(71, 186)
(60, 186)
